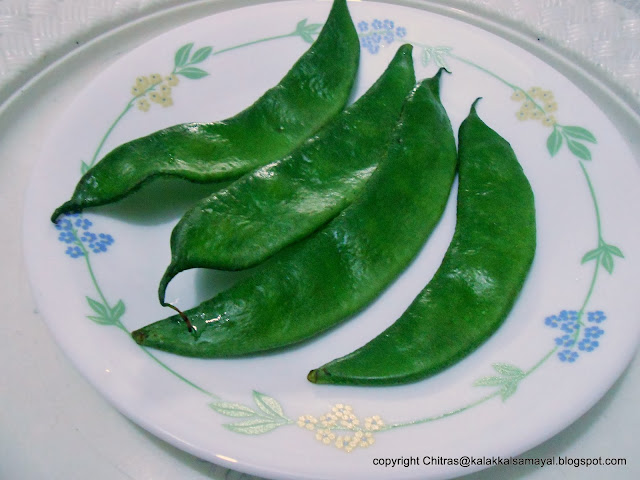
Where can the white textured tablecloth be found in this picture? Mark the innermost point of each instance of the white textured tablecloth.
(55, 426)
(606, 32)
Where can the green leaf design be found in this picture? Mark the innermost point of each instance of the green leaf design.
(306, 37)
(439, 60)
(254, 426)
(508, 390)
(232, 409)
(268, 405)
(592, 255)
(510, 376)
(200, 55)
(607, 261)
(579, 133)
(490, 382)
(554, 142)
(100, 320)
(193, 73)
(98, 307)
(182, 55)
(426, 56)
(84, 167)
(578, 149)
(306, 31)
(117, 311)
(614, 250)
(437, 54)
(508, 370)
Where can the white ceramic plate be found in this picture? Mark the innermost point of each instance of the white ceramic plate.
(95, 275)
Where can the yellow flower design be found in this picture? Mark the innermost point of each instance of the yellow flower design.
(342, 411)
(166, 101)
(307, 421)
(518, 95)
(343, 441)
(546, 95)
(325, 436)
(142, 83)
(536, 114)
(143, 104)
(535, 92)
(341, 428)
(172, 80)
(136, 91)
(350, 422)
(374, 423)
(366, 440)
(533, 109)
(164, 90)
(155, 97)
(155, 78)
(528, 105)
(329, 420)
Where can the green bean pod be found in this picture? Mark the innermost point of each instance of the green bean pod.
(280, 203)
(315, 89)
(314, 284)
(479, 279)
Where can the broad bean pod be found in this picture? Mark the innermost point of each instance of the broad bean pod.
(316, 283)
(316, 88)
(284, 201)
(480, 277)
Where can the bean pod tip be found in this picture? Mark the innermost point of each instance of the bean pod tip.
(317, 375)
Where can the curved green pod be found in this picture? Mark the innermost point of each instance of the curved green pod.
(284, 201)
(315, 89)
(477, 283)
(320, 281)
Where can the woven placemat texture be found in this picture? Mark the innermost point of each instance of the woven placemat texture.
(606, 32)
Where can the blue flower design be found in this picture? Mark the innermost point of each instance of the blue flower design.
(380, 31)
(596, 317)
(98, 247)
(565, 341)
(368, 43)
(106, 238)
(82, 223)
(74, 252)
(67, 237)
(569, 316)
(89, 237)
(570, 327)
(568, 356)
(588, 344)
(552, 321)
(74, 229)
(593, 332)
(64, 224)
(577, 337)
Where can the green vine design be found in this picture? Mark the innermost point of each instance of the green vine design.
(340, 426)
